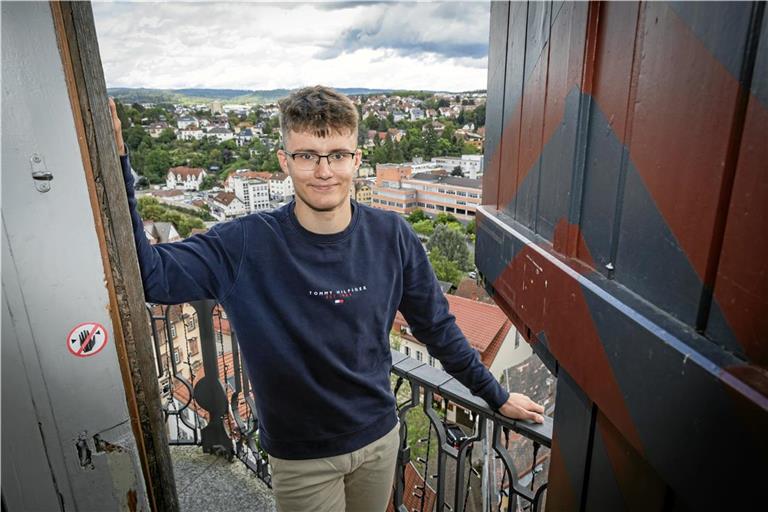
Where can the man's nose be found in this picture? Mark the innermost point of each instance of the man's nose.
(323, 169)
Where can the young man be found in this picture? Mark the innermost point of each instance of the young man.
(312, 289)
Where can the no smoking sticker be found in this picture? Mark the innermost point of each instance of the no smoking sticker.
(87, 339)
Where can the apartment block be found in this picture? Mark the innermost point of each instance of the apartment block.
(397, 189)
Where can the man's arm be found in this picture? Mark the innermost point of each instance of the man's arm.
(426, 310)
(204, 266)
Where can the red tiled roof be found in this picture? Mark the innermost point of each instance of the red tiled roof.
(411, 502)
(469, 289)
(278, 176)
(225, 197)
(481, 323)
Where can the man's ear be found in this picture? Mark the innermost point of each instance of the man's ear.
(282, 159)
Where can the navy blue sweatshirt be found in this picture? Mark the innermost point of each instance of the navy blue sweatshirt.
(312, 315)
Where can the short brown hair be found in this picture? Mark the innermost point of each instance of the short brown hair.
(319, 110)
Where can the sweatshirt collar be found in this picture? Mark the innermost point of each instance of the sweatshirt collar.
(320, 238)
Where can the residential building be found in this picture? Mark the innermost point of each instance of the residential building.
(388, 192)
(251, 190)
(361, 191)
(471, 165)
(416, 114)
(192, 132)
(188, 178)
(160, 232)
(181, 357)
(185, 122)
(244, 137)
(220, 133)
(280, 186)
(155, 129)
(226, 205)
(243, 174)
(396, 189)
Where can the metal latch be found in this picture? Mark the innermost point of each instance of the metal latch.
(40, 174)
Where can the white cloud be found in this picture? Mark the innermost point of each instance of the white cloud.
(438, 46)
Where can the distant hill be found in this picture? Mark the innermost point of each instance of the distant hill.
(187, 96)
(191, 96)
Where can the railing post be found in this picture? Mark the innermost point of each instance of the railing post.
(209, 392)
(404, 451)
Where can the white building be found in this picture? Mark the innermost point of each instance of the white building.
(244, 137)
(472, 165)
(185, 122)
(416, 114)
(221, 133)
(188, 178)
(252, 191)
(155, 129)
(225, 205)
(190, 133)
(280, 186)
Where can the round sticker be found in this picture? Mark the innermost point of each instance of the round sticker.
(87, 339)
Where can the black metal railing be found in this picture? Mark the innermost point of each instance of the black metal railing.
(211, 405)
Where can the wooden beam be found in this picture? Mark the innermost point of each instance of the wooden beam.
(79, 49)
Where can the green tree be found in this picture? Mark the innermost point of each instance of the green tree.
(445, 218)
(451, 244)
(156, 165)
(471, 227)
(151, 209)
(209, 181)
(134, 136)
(424, 227)
(166, 136)
(416, 216)
(430, 143)
(445, 269)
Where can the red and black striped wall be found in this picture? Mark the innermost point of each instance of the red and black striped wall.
(625, 232)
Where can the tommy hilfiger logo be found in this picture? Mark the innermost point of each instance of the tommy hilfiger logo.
(338, 296)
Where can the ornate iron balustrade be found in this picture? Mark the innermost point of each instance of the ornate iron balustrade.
(212, 406)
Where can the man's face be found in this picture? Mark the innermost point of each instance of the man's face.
(325, 187)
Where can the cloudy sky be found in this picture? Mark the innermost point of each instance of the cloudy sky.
(257, 45)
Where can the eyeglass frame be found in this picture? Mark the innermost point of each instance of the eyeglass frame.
(320, 156)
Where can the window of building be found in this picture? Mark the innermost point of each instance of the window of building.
(517, 339)
(418, 355)
(190, 322)
(431, 361)
(173, 330)
(193, 346)
(407, 351)
(176, 356)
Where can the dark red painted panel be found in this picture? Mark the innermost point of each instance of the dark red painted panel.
(683, 114)
(741, 286)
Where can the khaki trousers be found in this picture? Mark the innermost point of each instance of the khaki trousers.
(360, 481)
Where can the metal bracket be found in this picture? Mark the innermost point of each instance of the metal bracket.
(40, 174)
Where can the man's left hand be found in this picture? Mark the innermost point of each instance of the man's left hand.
(520, 407)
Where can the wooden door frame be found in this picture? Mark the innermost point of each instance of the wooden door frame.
(79, 49)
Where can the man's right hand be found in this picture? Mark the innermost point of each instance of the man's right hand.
(117, 126)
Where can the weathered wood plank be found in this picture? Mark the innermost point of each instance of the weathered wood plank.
(88, 94)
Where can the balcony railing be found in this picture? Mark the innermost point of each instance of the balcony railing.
(208, 401)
